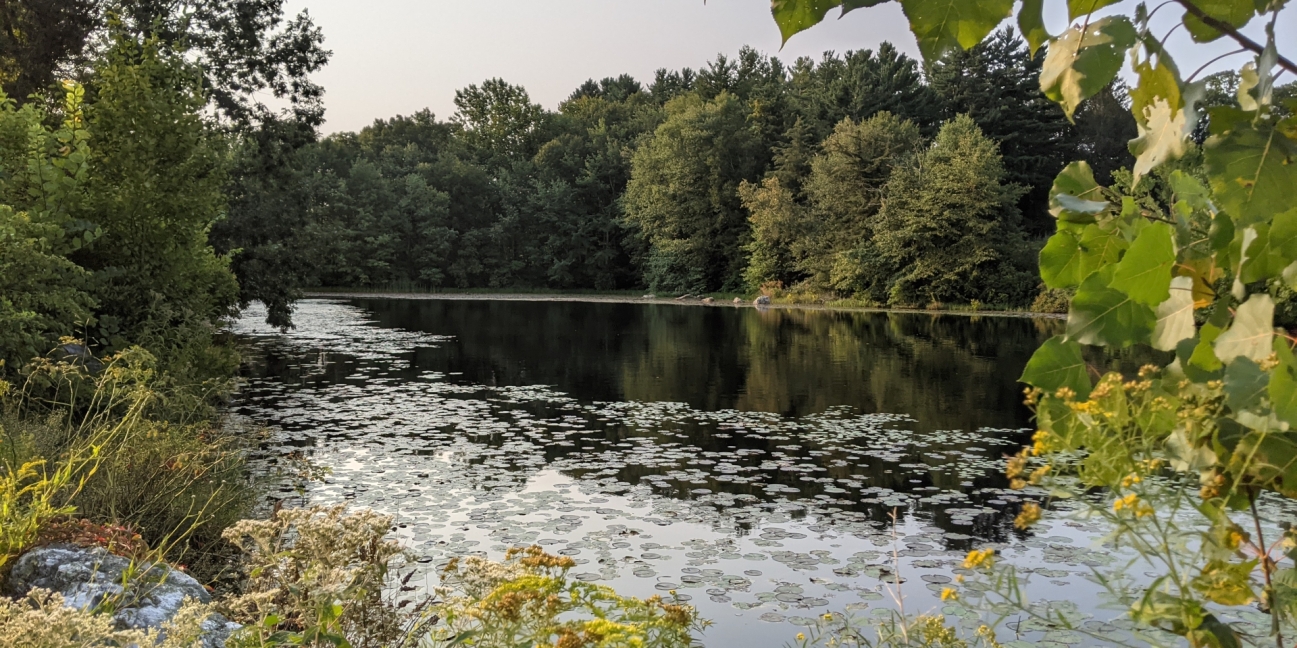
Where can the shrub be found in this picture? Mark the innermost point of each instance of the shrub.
(528, 601)
(41, 620)
(318, 575)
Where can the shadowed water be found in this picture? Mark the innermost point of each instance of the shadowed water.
(750, 461)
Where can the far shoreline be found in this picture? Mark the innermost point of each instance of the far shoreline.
(614, 298)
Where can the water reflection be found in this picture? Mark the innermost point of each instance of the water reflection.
(946, 371)
(649, 441)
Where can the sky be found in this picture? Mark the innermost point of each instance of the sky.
(395, 57)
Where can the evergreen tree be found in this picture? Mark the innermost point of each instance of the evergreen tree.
(1103, 130)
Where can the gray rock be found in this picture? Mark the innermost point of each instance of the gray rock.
(87, 577)
(763, 300)
(738, 300)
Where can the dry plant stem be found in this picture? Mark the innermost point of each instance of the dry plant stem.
(1265, 569)
(1229, 30)
(896, 574)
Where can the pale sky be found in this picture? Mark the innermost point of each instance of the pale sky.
(395, 57)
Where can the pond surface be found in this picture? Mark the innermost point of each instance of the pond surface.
(749, 460)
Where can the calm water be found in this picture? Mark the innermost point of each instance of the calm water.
(749, 460)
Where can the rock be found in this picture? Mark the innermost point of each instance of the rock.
(763, 300)
(87, 576)
(708, 300)
(650, 296)
(738, 300)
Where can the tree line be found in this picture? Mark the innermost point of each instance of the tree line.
(862, 174)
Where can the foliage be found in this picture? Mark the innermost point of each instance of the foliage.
(528, 601)
(950, 225)
(155, 191)
(317, 576)
(113, 424)
(43, 295)
(895, 631)
(1187, 270)
(683, 194)
(41, 620)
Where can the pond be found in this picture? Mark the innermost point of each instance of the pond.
(749, 460)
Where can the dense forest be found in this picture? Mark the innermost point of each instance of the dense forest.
(860, 175)
(740, 174)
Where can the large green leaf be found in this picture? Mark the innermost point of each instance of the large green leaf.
(1144, 272)
(1160, 116)
(1106, 316)
(1058, 363)
(1075, 197)
(1245, 384)
(1283, 383)
(943, 26)
(1234, 13)
(1262, 255)
(1283, 234)
(1252, 333)
(1252, 168)
(1174, 316)
(1031, 22)
(1268, 457)
(1071, 255)
(1080, 63)
(794, 16)
(1078, 8)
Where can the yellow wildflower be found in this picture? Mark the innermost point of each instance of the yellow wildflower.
(1130, 480)
(978, 557)
(1038, 475)
(949, 594)
(1126, 503)
(801, 636)
(1029, 515)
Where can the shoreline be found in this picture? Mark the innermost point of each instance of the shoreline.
(626, 299)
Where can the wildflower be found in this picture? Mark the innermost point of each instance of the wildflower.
(959, 578)
(1130, 480)
(1029, 515)
(1017, 484)
(1064, 393)
(801, 636)
(1039, 440)
(1125, 503)
(1015, 466)
(949, 594)
(828, 616)
(978, 557)
(1038, 475)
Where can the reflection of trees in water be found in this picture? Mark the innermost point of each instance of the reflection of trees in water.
(946, 372)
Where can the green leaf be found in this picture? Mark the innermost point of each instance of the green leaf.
(1234, 13)
(1075, 181)
(1261, 259)
(1080, 63)
(1252, 169)
(1268, 457)
(1283, 383)
(1144, 272)
(1245, 384)
(943, 26)
(1070, 256)
(1174, 316)
(1078, 8)
(1252, 333)
(1058, 363)
(1106, 316)
(1283, 235)
(1031, 23)
(794, 16)
(1160, 116)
